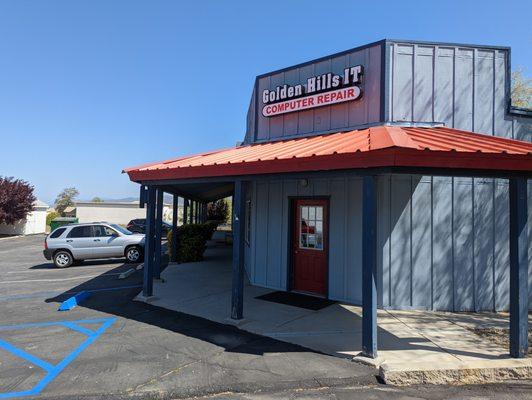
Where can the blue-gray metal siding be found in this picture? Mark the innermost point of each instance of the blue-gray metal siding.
(443, 242)
(351, 115)
(268, 254)
(462, 87)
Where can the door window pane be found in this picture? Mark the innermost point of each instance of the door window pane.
(311, 227)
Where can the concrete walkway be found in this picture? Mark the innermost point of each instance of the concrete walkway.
(414, 346)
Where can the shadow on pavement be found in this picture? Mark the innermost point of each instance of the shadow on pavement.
(115, 297)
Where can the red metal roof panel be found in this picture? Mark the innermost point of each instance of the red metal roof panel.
(381, 146)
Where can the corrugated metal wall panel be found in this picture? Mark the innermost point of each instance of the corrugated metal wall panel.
(464, 277)
(442, 244)
(401, 245)
(337, 233)
(421, 235)
(484, 235)
(502, 248)
(274, 226)
(261, 236)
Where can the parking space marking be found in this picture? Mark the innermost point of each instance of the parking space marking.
(52, 371)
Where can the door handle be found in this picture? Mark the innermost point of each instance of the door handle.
(69, 240)
(96, 240)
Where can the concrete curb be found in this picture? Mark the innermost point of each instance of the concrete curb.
(127, 273)
(475, 372)
(10, 237)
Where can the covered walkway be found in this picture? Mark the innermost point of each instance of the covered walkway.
(369, 153)
(417, 344)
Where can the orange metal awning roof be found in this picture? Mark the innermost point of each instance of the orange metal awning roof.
(382, 146)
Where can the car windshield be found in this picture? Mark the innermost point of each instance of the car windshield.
(121, 229)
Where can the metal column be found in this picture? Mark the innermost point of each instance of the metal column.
(518, 268)
(175, 208)
(239, 227)
(369, 267)
(192, 212)
(158, 229)
(147, 286)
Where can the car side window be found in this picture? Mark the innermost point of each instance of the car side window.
(110, 231)
(80, 232)
(58, 232)
(103, 231)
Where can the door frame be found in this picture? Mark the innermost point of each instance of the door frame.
(291, 217)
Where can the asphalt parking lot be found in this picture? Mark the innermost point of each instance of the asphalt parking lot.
(112, 347)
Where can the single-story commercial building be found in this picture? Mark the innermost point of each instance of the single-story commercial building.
(391, 175)
(35, 222)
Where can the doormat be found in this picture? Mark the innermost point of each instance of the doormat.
(297, 300)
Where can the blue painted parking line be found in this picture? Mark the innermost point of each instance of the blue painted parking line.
(53, 370)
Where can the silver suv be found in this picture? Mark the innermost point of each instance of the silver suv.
(77, 242)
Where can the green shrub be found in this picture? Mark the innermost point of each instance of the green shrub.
(191, 240)
(51, 216)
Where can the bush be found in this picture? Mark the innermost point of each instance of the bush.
(51, 216)
(191, 240)
(208, 229)
(218, 210)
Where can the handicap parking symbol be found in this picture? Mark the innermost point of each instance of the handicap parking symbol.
(52, 371)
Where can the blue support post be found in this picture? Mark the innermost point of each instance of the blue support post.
(518, 268)
(147, 287)
(142, 196)
(158, 232)
(239, 227)
(369, 267)
(196, 212)
(185, 211)
(175, 207)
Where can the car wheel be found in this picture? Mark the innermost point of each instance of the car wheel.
(63, 259)
(133, 254)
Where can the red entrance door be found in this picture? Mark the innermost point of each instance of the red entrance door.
(309, 246)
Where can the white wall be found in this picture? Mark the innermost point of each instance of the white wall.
(114, 213)
(35, 222)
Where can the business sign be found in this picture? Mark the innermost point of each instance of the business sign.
(322, 90)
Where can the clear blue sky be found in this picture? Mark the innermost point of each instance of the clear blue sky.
(90, 87)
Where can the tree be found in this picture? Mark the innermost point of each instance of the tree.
(65, 199)
(16, 199)
(218, 210)
(521, 90)
(97, 200)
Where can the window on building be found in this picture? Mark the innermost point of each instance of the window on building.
(248, 222)
(311, 227)
(57, 233)
(81, 232)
